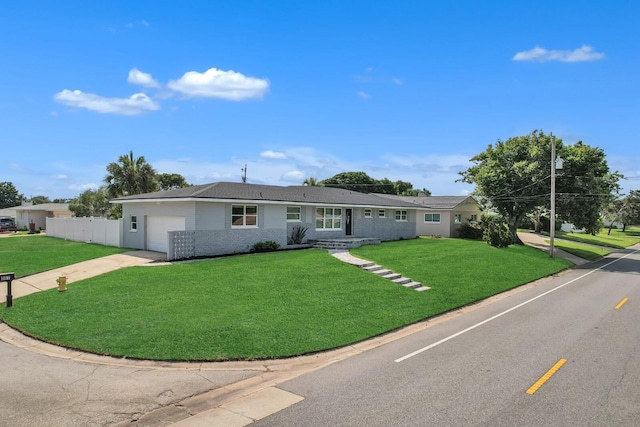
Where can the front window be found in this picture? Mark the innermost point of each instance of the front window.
(401, 215)
(134, 223)
(368, 213)
(432, 217)
(328, 218)
(293, 213)
(244, 216)
(458, 218)
(381, 213)
(474, 218)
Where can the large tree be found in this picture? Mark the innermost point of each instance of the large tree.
(39, 200)
(9, 195)
(363, 183)
(354, 181)
(585, 186)
(625, 210)
(129, 176)
(171, 181)
(91, 203)
(513, 177)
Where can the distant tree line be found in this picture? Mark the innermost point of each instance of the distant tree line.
(363, 183)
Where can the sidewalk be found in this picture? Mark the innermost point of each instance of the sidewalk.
(540, 242)
(47, 280)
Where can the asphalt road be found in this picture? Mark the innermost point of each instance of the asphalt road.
(488, 367)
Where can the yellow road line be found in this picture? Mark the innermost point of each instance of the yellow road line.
(546, 376)
(621, 303)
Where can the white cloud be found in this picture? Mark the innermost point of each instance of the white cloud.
(539, 54)
(272, 155)
(61, 176)
(136, 104)
(83, 187)
(398, 81)
(363, 95)
(295, 177)
(145, 23)
(137, 77)
(215, 83)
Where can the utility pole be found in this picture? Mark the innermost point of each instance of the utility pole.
(244, 173)
(552, 221)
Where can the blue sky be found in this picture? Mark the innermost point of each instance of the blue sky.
(407, 90)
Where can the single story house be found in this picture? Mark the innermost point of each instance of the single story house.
(225, 217)
(37, 215)
(441, 215)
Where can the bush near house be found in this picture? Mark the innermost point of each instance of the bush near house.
(496, 233)
(471, 231)
(267, 246)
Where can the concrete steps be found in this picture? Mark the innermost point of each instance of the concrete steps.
(344, 243)
(399, 279)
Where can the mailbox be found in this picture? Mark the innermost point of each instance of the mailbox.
(8, 277)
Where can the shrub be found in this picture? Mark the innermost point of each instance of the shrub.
(470, 231)
(267, 246)
(297, 235)
(496, 232)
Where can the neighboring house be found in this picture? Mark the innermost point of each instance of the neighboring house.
(224, 217)
(441, 215)
(8, 212)
(37, 214)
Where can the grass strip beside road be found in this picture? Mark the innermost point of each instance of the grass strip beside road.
(26, 255)
(270, 305)
(583, 251)
(617, 239)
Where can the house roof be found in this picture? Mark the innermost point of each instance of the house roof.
(269, 193)
(432, 202)
(49, 207)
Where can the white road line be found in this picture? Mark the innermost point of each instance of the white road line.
(450, 337)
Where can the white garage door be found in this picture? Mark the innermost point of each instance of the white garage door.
(157, 228)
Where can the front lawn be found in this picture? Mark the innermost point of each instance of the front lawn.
(272, 304)
(462, 271)
(25, 255)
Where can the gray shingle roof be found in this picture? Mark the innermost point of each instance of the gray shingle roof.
(430, 202)
(255, 192)
(44, 207)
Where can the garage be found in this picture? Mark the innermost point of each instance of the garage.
(157, 228)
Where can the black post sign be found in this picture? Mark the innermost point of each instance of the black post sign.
(8, 277)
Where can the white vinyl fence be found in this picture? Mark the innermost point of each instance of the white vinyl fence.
(102, 231)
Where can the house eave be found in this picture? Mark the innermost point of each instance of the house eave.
(265, 202)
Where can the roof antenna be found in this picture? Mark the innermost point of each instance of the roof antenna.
(244, 173)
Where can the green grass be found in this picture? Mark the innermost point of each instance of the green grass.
(270, 305)
(617, 239)
(462, 271)
(25, 255)
(583, 251)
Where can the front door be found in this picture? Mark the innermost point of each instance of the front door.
(348, 220)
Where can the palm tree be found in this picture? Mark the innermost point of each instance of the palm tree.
(130, 176)
(311, 182)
